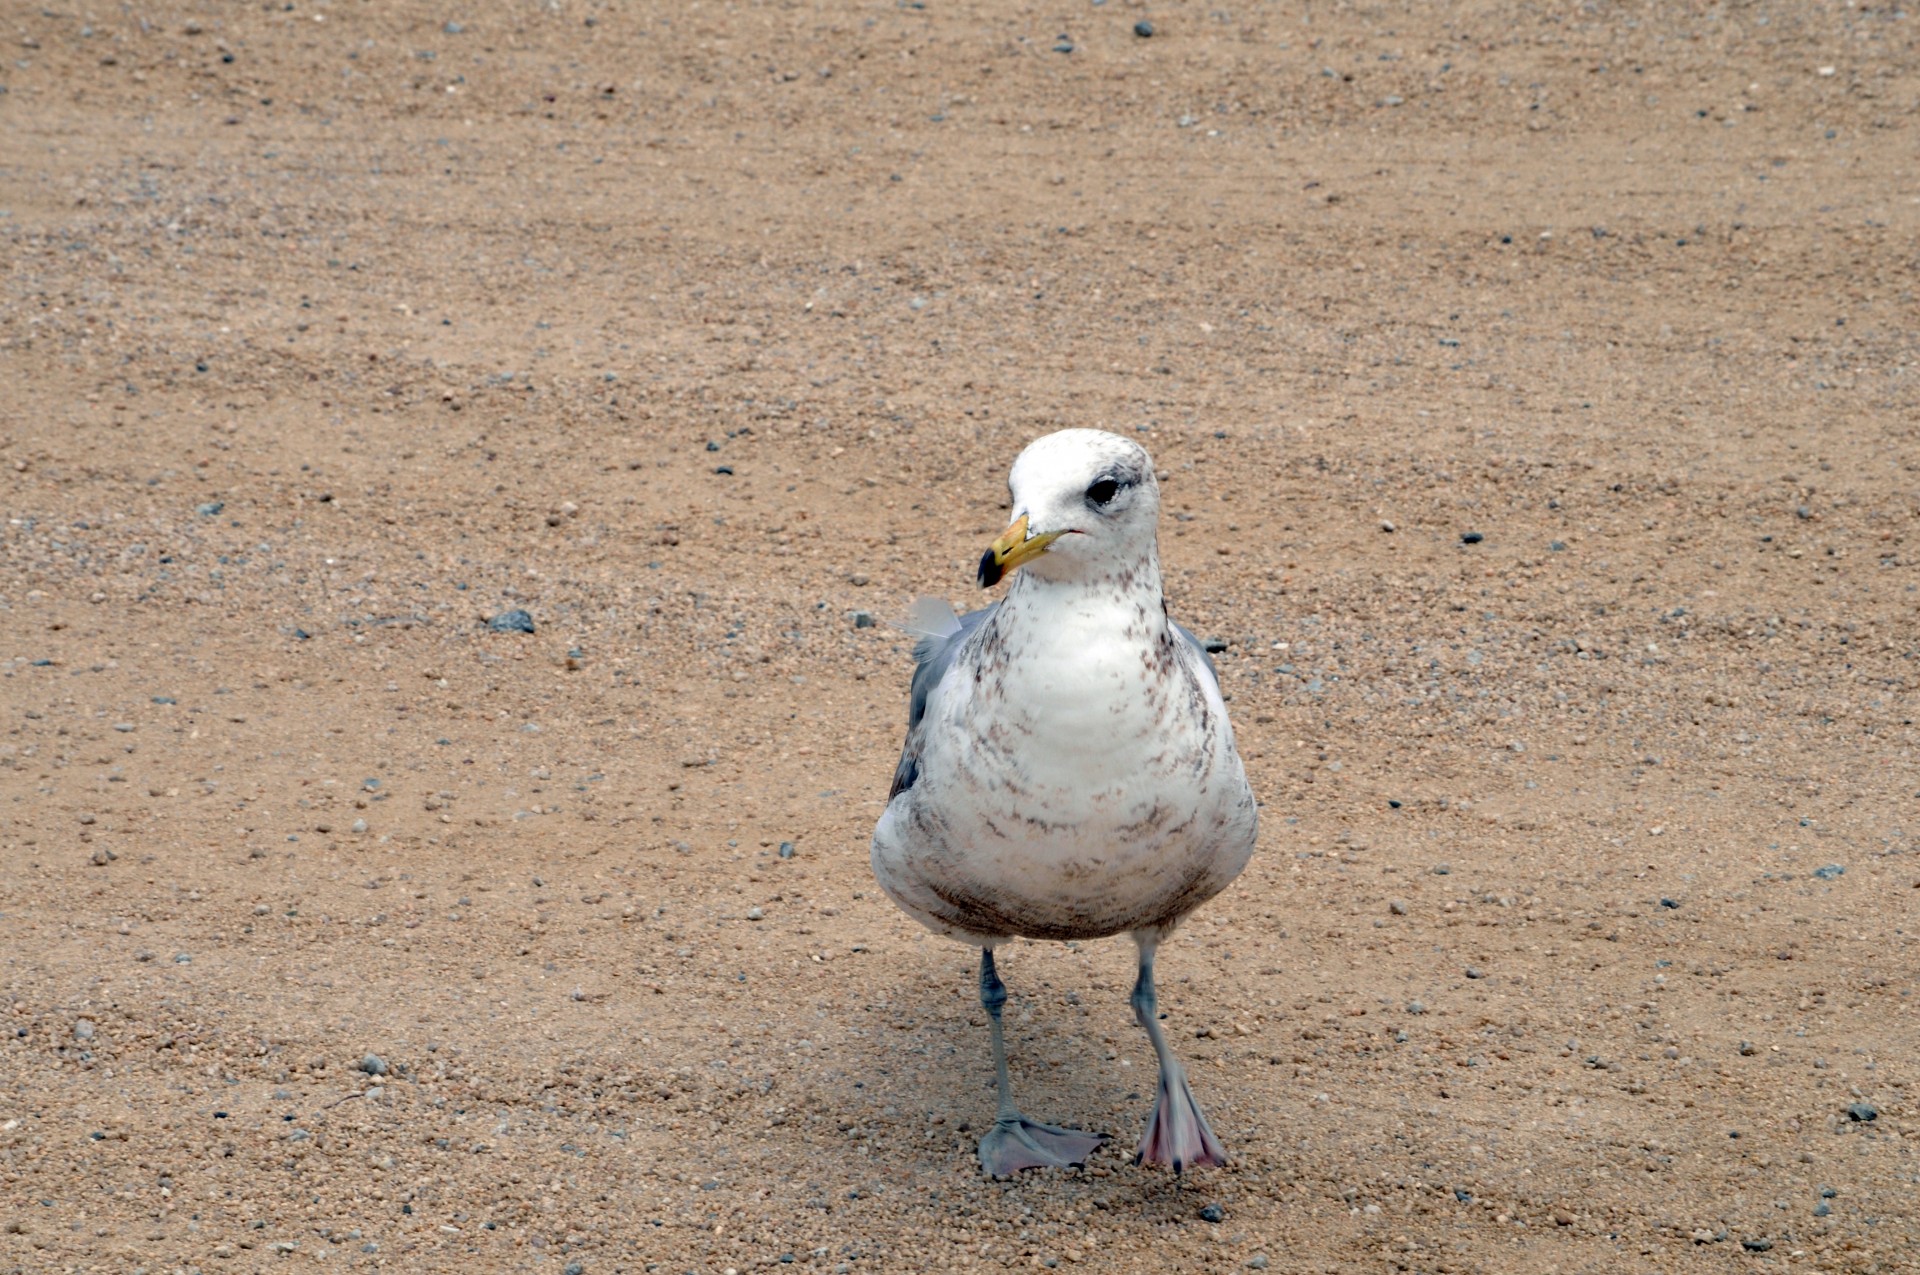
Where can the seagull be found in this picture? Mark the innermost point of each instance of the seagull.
(1069, 770)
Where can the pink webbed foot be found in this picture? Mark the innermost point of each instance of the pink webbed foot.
(1177, 1134)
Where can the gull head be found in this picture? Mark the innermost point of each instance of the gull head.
(1085, 505)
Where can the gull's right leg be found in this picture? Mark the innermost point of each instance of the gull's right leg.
(1015, 1142)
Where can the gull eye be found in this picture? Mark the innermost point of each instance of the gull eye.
(1103, 491)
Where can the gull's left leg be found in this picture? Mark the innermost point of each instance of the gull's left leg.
(1015, 1142)
(1177, 1134)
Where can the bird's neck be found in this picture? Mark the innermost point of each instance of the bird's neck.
(1132, 590)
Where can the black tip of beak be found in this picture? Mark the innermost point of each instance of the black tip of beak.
(989, 570)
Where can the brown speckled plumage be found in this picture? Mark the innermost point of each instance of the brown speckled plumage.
(1074, 772)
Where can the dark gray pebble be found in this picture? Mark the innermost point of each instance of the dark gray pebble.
(1471, 537)
(1669, 903)
(1144, 30)
(1465, 1197)
(723, 469)
(1861, 1112)
(1822, 1209)
(786, 850)
(1828, 1193)
(713, 445)
(374, 1065)
(1213, 1213)
(1758, 1244)
(1474, 971)
(1556, 546)
(863, 619)
(211, 508)
(1829, 872)
(1065, 46)
(1214, 646)
(514, 621)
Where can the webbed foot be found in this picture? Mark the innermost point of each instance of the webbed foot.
(1177, 1134)
(1015, 1143)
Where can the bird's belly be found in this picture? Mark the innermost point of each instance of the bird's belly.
(1085, 789)
(1093, 860)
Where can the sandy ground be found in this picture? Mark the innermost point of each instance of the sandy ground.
(1582, 932)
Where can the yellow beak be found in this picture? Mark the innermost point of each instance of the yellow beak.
(1013, 549)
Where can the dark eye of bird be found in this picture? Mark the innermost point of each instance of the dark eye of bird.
(1103, 491)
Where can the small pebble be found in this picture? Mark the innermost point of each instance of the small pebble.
(755, 914)
(1214, 646)
(83, 1030)
(723, 469)
(1213, 1213)
(1416, 1007)
(786, 850)
(863, 619)
(1471, 538)
(1758, 1244)
(1748, 1049)
(1861, 1112)
(1398, 907)
(1822, 1209)
(1474, 971)
(514, 621)
(1387, 526)
(1829, 872)
(1257, 1262)
(359, 826)
(374, 1065)
(1669, 903)
(1828, 1193)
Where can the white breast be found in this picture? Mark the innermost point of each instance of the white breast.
(1078, 778)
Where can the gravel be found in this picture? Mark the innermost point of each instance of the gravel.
(514, 621)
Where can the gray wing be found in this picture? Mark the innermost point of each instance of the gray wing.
(933, 656)
(1200, 649)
